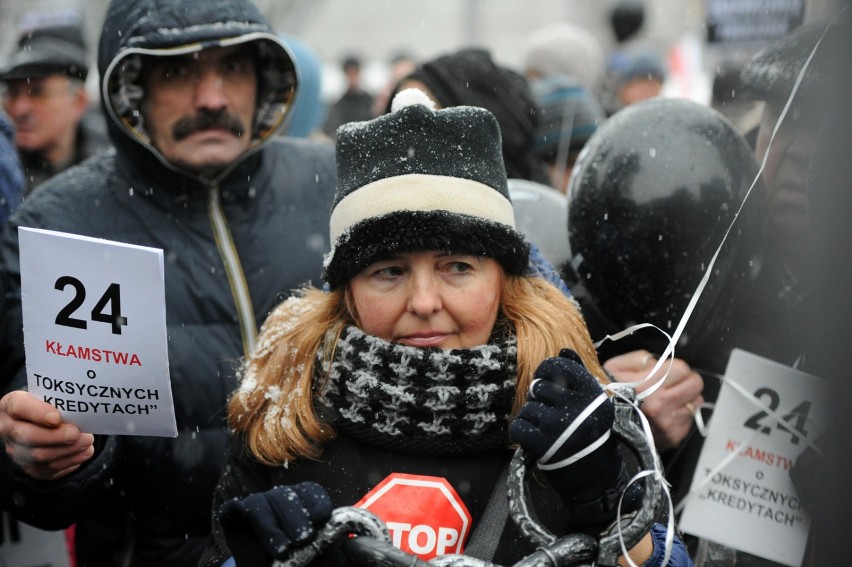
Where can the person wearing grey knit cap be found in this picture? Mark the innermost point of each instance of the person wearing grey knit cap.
(45, 96)
(567, 49)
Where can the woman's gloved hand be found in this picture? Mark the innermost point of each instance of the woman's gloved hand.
(566, 425)
(268, 525)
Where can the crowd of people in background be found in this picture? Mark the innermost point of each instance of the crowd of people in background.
(287, 241)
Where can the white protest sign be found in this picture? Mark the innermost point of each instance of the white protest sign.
(742, 495)
(95, 332)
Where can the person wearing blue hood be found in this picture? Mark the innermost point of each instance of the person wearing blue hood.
(195, 93)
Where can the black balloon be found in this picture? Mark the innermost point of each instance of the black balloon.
(650, 199)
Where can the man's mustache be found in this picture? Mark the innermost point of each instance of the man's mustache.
(207, 121)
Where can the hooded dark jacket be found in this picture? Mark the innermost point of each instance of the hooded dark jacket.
(262, 222)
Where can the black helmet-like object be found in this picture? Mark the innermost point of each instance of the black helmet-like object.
(650, 199)
(626, 18)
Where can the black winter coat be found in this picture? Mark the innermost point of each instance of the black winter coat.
(264, 220)
(350, 469)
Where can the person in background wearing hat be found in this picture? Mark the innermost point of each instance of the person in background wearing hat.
(564, 65)
(354, 104)
(635, 69)
(801, 302)
(471, 77)
(240, 214)
(431, 352)
(45, 96)
(568, 115)
(634, 73)
(786, 281)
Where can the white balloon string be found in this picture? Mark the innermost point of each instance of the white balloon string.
(590, 448)
(660, 361)
(657, 475)
(569, 431)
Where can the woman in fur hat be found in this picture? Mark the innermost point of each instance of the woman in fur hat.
(400, 387)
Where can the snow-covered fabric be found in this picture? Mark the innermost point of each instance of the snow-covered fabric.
(421, 179)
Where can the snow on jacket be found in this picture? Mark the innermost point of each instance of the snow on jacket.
(263, 221)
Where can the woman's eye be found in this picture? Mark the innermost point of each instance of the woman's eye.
(459, 267)
(387, 273)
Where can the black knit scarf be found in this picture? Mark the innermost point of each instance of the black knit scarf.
(421, 400)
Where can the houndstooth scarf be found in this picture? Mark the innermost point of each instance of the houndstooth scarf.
(422, 400)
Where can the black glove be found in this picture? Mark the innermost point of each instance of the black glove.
(589, 486)
(267, 525)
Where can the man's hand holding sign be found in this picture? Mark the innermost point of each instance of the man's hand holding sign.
(96, 351)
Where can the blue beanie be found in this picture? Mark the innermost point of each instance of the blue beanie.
(568, 115)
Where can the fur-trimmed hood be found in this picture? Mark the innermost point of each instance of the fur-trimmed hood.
(177, 27)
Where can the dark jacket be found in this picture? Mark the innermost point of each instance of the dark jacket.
(274, 202)
(349, 469)
(354, 105)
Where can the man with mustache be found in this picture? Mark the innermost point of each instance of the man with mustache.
(195, 93)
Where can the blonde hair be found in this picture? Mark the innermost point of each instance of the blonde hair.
(274, 406)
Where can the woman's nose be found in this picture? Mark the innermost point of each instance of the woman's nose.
(424, 295)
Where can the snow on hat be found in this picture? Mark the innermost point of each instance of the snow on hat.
(568, 115)
(421, 179)
(47, 51)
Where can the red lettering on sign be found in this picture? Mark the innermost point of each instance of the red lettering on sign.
(424, 514)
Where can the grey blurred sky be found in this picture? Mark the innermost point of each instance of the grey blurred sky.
(376, 29)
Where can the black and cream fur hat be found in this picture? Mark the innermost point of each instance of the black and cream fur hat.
(421, 179)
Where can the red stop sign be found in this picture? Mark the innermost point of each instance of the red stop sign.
(424, 514)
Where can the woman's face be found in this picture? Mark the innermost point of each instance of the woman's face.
(429, 299)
